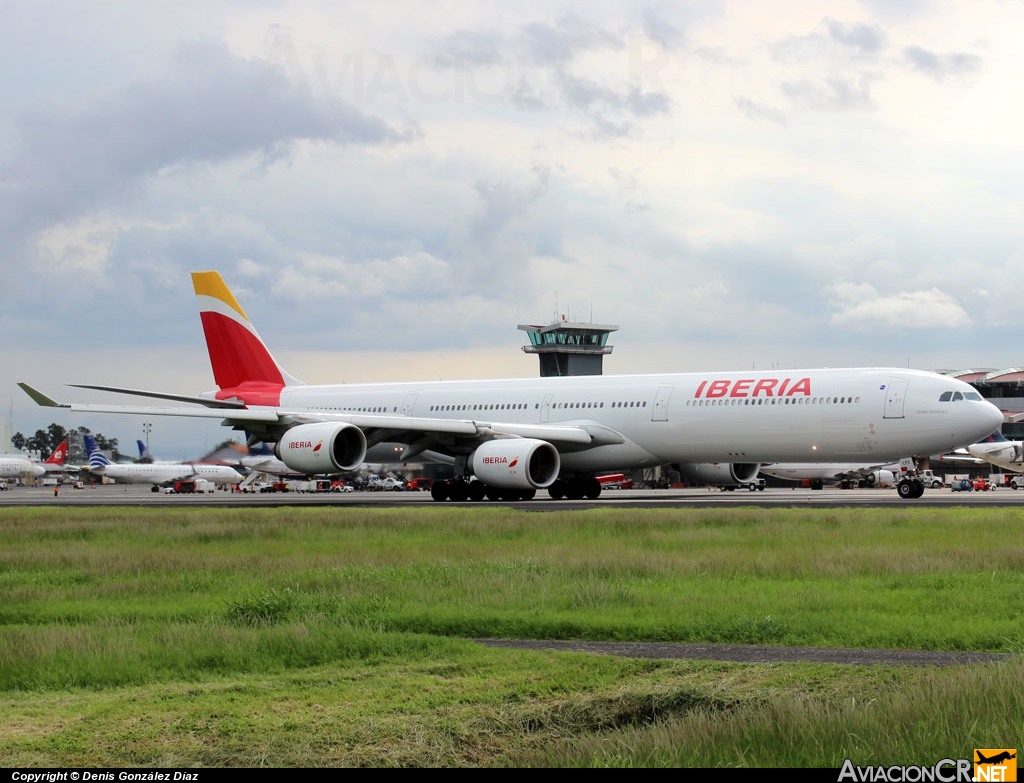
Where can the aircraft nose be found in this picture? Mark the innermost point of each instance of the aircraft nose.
(990, 418)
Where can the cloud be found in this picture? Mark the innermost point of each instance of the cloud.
(609, 78)
(867, 38)
(834, 94)
(942, 66)
(208, 106)
(860, 307)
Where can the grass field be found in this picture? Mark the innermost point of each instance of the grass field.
(327, 636)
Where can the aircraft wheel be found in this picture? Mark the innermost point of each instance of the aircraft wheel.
(459, 491)
(557, 489)
(592, 488)
(905, 489)
(527, 494)
(439, 491)
(477, 491)
(492, 493)
(574, 490)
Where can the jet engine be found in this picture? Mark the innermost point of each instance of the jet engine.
(719, 473)
(326, 447)
(516, 463)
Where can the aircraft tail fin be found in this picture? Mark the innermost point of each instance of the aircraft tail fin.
(143, 450)
(96, 458)
(995, 437)
(59, 455)
(243, 366)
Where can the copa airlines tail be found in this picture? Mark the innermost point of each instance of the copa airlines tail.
(509, 438)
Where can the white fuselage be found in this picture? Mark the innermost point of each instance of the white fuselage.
(16, 467)
(1006, 454)
(856, 415)
(167, 472)
(825, 471)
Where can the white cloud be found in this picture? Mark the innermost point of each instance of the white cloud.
(860, 307)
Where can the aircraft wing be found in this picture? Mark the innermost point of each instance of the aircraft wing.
(378, 427)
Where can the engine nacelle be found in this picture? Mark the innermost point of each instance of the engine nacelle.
(516, 463)
(719, 473)
(326, 447)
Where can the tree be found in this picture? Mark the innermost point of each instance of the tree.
(45, 441)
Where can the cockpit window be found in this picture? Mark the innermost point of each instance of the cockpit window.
(953, 396)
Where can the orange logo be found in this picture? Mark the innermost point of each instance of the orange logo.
(995, 764)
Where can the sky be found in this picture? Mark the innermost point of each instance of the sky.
(390, 188)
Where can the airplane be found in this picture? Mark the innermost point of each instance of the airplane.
(23, 467)
(858, 474)
(57, 462)
(261, 459)
(20, 467)
(1003, 756)
(156, 473)
(512, 437)
(996, 449)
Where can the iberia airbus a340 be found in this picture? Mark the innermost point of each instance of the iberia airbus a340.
(510, 438)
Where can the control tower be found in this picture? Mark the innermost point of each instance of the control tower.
(569, 347)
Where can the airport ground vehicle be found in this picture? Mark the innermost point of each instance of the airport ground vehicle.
(756, 484)
(420, 483)
(343, 488)
(615, 481)
(963, 485)
(982, 484)
(188, 486)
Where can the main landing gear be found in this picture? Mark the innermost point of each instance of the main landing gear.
(459, 490)
(909, 488)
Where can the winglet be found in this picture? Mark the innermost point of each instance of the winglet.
(40, 398)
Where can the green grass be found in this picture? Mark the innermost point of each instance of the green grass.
(342, 637)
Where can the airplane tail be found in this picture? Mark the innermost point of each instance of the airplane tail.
(143, 450)
(995, 437)
(96, 458)
(59, 455)
(242, 365)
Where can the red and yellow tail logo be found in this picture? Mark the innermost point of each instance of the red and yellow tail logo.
(995, 764)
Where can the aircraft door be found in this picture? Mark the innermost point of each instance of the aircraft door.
(660, 410)
(895, 397)
(545, 408)
(409, 403)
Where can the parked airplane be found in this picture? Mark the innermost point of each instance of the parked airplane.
(510, 438)
(156, 473)
(57, 462)
(20, 467)
(996, 449)
(261, 459)
(23, 467)
(859, 474)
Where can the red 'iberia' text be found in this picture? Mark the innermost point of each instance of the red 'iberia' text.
(753, 387)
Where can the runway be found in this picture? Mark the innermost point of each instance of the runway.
(772, 497)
